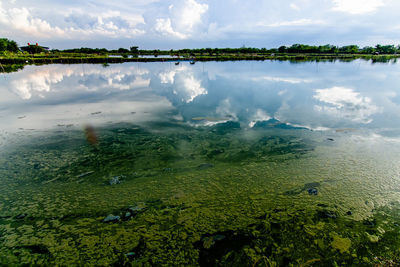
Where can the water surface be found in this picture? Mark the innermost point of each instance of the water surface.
(246, 163)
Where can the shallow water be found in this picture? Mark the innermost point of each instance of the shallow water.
(243, 163)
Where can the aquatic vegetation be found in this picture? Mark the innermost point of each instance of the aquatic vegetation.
(202, 184)
(198, 196)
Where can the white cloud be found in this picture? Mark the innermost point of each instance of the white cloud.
(80, 24)
(20, 19)
(299, 22)
(356, 7)
(182, 19)
(164, 27)
(345, 103)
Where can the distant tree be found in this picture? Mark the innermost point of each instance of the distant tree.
(123, 50)
(368, 50)
(134, 49)
(282, 49)
(349, 49)
(385, 49)
(8, 45)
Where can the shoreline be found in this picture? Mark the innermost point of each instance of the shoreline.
(15, 63)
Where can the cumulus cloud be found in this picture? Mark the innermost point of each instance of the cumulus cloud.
(357, 6)
(182, 19)
(79, 24)
(20, 19)
(345, 103)
(164, 27)
(110, 23)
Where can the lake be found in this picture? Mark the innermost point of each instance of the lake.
(243, 163)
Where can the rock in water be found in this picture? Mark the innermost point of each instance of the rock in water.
(21, 216)
(111, 218)
(115, 180)
(313, 191)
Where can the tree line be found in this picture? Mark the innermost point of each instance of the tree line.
(299, 48)
(11, 46)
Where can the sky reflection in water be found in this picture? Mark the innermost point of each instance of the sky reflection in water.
(318, 96)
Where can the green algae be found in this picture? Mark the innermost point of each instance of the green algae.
(342, 244)
(240, 196)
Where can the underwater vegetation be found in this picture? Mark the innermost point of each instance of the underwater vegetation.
(169, 194)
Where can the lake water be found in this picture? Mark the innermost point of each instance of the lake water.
(241, 163)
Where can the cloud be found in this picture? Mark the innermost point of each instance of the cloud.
(182, 19)
(20, 19)
(110, 23)
(299, 22)
(164, 27)
(345, 103)
(357, 7)
(79, 24)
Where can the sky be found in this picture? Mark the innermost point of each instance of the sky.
(177, 24)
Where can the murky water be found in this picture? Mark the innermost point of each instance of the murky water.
(233, 163)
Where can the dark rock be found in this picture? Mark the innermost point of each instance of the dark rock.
(112, 218)
(349, 212)
(312, 191)
(115, 180)
(135, 210)
(21, 216)
(330, 139)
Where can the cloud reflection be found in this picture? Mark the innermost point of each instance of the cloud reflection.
(42, 80)
(184, 83)
(346, 103)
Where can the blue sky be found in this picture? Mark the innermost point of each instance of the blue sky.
(152, 24)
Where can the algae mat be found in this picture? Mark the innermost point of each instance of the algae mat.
(208, 196)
